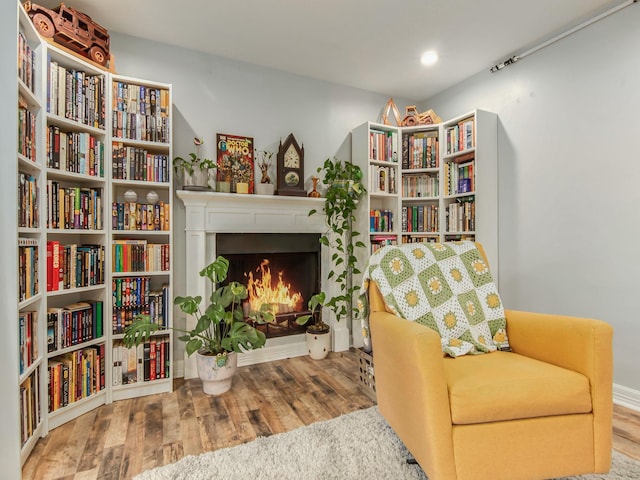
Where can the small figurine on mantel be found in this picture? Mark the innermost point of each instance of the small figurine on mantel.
(266, 186)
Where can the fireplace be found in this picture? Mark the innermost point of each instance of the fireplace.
(211, 216)
(282, 270)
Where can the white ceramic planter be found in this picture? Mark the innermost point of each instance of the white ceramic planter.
(318, 345)
(198, 180)
(265, 188)
(216, 377)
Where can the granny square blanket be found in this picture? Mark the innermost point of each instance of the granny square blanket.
(447, 287)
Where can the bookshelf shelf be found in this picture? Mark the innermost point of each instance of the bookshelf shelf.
(65, 176)
(430, 160)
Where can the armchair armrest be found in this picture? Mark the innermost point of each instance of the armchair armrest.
(583, 345)
(412, 390)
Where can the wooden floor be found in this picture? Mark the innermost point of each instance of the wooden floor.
(124, 438)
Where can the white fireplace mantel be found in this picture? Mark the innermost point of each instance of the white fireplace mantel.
(209, 213)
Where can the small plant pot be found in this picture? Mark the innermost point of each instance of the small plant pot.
(198, 180)
(318, 344)
(265, 188)
(216, 372)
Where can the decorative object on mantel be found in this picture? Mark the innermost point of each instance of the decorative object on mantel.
(318, 334)
(235, 160)
(344, 190)
(194, 171)
(266, 186)
(72, 29)
(290, 164)
(315, 193)
(220, 332)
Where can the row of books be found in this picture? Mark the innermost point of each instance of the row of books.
(147, 362)
(73, 208)
(140, 112)
(420, 150)
(74, 266)
(379, 241)
(419, 239)
(382, 179)
(141, 216)
(27, 121)
(28, 337)
(420, 185)
(381, 220)
(28, 285)
(420, 218)
(383, 146)
(154, 303)
(461, 136)
(74, 324)
(136, 163)
(26, 61)
(461, 216)
(75, 95)
(77, 152)
(28, 201)
(76, 375)
(140, 256)
(459, 178)
(29, 405)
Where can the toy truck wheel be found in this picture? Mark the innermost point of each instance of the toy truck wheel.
(43, 25)
(98, 55)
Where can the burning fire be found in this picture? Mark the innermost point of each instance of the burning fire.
(262, 291)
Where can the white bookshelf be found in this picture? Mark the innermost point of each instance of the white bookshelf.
(426, 176)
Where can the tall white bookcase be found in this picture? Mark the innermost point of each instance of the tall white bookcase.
(434, 182)
(83, 150)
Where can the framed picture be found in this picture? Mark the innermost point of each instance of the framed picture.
(235, 161)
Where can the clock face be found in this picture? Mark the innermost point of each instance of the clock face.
(291, 178)
(291, 158)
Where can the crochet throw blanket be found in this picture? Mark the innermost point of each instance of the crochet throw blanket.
(447, 287)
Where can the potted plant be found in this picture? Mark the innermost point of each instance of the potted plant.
(194, 170)
(344, 190)
(220, 332)
(318, 334)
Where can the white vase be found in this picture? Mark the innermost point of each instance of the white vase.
(216, 372)
(318, 345)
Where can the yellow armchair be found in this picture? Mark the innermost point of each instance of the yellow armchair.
(541, 411)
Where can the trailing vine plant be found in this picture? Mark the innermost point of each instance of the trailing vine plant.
(344, 189)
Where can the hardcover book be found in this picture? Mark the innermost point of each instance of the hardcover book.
(235, 160)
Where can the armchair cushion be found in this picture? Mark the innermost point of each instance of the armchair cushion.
(445, 286)
(509, 386)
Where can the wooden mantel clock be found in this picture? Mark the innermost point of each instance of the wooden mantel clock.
(290, 164)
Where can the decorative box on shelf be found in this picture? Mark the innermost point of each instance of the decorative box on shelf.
(366, 377)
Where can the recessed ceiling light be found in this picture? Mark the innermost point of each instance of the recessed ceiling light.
(429, 57)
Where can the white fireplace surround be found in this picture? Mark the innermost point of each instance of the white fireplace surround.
(209, 213)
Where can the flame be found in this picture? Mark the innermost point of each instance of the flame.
(261, 291)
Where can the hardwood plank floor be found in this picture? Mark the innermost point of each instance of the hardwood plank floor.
(124, 438)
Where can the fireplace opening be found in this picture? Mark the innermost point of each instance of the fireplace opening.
(279, 269)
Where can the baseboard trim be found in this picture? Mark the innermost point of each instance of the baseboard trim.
(626, 397)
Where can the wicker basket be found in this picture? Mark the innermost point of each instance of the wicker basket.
(366, 377)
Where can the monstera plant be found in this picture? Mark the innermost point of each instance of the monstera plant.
(220, 332)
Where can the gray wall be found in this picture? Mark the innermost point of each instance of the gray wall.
(569, 177)
(212, 94)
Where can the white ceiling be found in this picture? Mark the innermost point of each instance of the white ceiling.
(370, 44)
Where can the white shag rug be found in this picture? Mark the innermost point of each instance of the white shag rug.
(359, 445)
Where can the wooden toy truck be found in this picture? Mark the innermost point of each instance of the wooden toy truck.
(72, 29)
